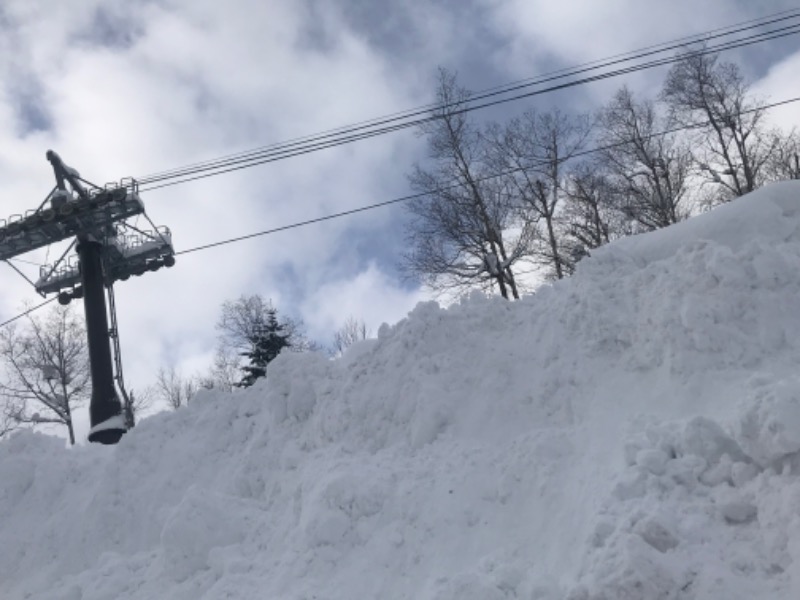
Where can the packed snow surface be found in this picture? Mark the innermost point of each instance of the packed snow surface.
(632, 432)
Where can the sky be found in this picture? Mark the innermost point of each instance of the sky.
(131, 88)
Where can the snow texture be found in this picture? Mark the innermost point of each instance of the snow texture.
(632, 432)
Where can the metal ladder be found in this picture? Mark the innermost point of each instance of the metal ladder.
(113, 333)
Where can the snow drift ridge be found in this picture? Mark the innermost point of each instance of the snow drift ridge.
(632, 432)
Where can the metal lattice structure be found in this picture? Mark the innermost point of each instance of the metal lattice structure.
(126, 254)
(108, 249)
(67, 216)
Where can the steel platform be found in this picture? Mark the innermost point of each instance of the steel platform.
(123, 256)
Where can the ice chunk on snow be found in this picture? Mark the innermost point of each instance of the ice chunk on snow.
(769, 426)
(738, 511)
(654, 532)
(706, 439)
(652, 460)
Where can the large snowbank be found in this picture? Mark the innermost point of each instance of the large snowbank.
(630, 433)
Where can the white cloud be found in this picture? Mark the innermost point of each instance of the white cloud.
(370, 296)
(543, 33)
(778, 85)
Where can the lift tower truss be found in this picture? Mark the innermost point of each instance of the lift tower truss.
(107, 250)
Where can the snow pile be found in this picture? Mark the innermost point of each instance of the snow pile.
(631, 433)
(693, 516)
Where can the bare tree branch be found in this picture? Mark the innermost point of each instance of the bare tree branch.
(46, 369)
(172, 388)
(242, 320)
(348, 334)
(733, 149)
(459, 233)
(534, 151)
(784, 163)
(648, 171)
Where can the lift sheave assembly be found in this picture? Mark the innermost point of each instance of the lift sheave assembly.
(107, 249)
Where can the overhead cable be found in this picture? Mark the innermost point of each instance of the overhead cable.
(27, 312)
(410, 197)
(345, 136)
(679, 43)
(459, 185)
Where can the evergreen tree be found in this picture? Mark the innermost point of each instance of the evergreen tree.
(241, 324)
(266, 344)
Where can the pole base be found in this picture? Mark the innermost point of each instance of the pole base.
(109, 431)
(108, 437)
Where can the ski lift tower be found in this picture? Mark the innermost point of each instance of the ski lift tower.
(108, 249)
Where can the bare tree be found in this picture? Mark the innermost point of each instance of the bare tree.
(7, 422)
(734, 145)
(459, 230)
(225, 370)
(137, 403)
(351, 332)
(591, 216)
(47, 369)
(172, 388)
(784, 162)
(648, 168)
(531, 151)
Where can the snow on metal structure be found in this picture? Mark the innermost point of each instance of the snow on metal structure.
(107, 250)
(126, 254)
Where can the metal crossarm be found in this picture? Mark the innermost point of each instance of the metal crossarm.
(93, 215)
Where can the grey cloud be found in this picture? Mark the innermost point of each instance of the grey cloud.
(112, 29)
(21, 87)
(418, 36)
(315, 34)
(114, 24)
(27, 97)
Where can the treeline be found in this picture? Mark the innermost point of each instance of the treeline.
(542, 190)
(251, 333)
(45, 376)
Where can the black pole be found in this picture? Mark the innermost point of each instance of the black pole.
(105, 403)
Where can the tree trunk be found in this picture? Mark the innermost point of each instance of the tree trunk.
(71, 432)
(551, 233)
